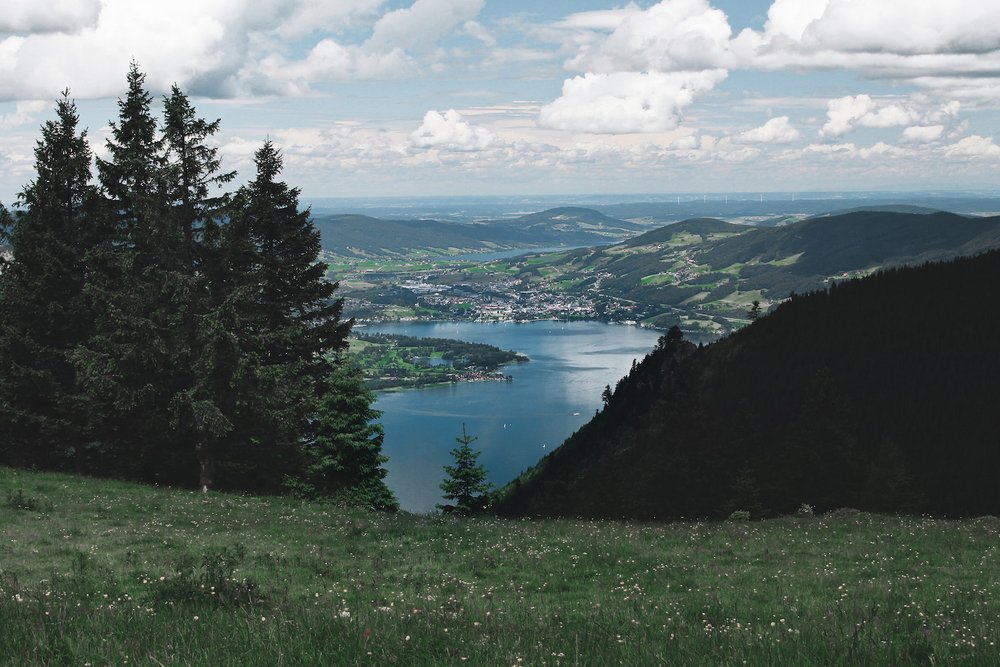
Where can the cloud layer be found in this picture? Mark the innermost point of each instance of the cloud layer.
(217, 48)
(872, 91)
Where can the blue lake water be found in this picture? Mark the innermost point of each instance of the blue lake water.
(516, 424)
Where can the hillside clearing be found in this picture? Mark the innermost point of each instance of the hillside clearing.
(100, 572)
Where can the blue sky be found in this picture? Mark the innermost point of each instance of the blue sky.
(443, 97)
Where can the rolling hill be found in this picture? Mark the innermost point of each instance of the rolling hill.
(358, 235)
(706, 268)
(871, 395)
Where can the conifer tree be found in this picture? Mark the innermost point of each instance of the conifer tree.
(126, 359)
(342, 459)
(466, 483)
(43, 316)
(199, 322)
(290, 325)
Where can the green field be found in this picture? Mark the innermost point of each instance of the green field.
(99, 572)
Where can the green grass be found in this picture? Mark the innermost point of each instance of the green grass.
(101, 572)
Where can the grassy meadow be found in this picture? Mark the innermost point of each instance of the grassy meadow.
(96, 572)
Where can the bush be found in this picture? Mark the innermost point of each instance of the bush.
(213, 577)
(19, 500)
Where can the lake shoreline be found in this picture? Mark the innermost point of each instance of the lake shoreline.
(516, 423)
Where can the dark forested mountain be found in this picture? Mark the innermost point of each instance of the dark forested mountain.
(363, 236)
(871, 394)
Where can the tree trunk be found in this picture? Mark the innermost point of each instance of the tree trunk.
(206, 468)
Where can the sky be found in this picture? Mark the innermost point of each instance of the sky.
(408, 98)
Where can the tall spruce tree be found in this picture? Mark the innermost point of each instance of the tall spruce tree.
(290, 324)
(200, 325)
(124, 363)
(43, 316)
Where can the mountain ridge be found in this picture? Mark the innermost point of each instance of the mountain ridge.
(856, 396)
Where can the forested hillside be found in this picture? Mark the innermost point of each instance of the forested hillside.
(879, 394)
(155, 327)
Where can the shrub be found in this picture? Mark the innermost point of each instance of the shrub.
(213, 577)
(19, 500)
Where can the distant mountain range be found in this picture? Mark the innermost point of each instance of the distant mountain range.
(357, 235)
(878, 394)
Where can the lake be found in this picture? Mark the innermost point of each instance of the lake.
(516, 423)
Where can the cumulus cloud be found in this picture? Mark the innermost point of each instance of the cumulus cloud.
(922, 134)
(670, 36)
(775, 131)
(218, 48)
(974, 146)
(305, 17)
(914, 39)
(24, 112)
(907, 28)
(31, 16)
(421, 24)
(626, 101)
(640, 67)
(449, 131)
(844, 114)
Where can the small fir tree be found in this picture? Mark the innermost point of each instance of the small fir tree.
(342, 458)
(466, 484)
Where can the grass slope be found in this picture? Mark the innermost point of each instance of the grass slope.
(99, 572)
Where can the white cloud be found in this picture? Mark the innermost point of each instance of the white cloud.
(32, 16)
(305, 17)
(922, 134)
(670, 36)
(476, 30)
(974, 146)
(925, 39)
(829, 149)
(846, 113)
(907, 28)
(421, 24)
(606, 20)
(449, 131)
(24, 113)
(775, 131)
(219, 48)
(623, 102)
